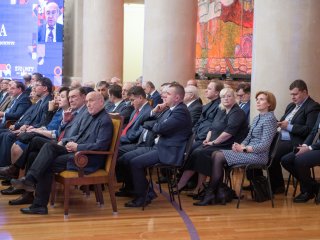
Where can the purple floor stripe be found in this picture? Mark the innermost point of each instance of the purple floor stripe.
(187, 221)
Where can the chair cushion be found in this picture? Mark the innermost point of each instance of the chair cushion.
(74, 174)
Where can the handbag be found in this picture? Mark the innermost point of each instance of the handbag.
(260, 189)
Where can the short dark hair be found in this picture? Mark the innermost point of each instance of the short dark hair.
(115, 90)
(62, 89)
(46, 82)
(179, 89)
(27, 78)
(245, 87)
(20, 85)
(38, 76)
(137, 91)
(218, 85)
(150, 84)
(300, 84)
(81, 90)
(102, 83)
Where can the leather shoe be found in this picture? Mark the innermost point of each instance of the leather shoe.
(137, 202)
(23, 183)
(34, 209)
(12, 191)
(9, 172)
(6, 183)
(303, 197)
(26, 198)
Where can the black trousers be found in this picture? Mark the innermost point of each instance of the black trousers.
(7, 138)
(299, 166)
(51, 159)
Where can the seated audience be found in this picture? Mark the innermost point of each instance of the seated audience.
(243, 94)
(254, 148)
(174, 129)
(228, 126)
(95, 135)
(115, 81)
(4, 98)
(299, 164)
(153, 95)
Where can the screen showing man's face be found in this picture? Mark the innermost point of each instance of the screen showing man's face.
(52, 13)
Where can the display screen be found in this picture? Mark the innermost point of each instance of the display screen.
(31, 38)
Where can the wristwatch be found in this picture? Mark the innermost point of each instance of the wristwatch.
(245, 150)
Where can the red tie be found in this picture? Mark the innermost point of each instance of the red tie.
(124, 131)
(61, 136)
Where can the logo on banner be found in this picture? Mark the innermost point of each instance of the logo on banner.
(3, 32)
(5, 70)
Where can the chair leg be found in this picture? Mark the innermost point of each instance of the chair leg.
(112, 194)
(53, 192)
(100, 195)
(270, 190)
(66, 199)
(295, 186)
(176, 184)
(159, 183)
(288, 184)
(150, 169)
(241, 186)
(170, 185)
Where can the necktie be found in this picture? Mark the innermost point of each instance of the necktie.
(241, 105)
(8, 110)
(50, 35)
(293, 112)
(124, 131)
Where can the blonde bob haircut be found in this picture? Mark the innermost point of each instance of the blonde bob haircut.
(223, 92)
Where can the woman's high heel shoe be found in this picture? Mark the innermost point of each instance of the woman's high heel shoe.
(209, 198)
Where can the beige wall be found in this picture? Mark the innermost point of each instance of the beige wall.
(133, 41)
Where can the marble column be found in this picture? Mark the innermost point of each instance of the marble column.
(169, 41)
(285, 48)
(102, 40)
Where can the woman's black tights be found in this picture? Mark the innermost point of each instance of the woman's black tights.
(217, 173)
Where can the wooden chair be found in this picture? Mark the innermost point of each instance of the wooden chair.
(101, 176)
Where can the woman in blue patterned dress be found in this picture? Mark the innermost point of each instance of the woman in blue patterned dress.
(254, 149)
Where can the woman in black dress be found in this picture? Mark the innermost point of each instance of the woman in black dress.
(229, 126)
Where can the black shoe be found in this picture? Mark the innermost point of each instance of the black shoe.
(279, 190)
(6, 183)
(303, 197)
(9, 172)
(137, 202)
(26, 198)
(23, 183)
(12, 191)
(124, 193)
(34, 209)
(208, 199)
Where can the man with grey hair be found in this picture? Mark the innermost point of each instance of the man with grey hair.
(191, 99)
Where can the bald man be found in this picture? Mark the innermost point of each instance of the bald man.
(95, 135)
(51, 31)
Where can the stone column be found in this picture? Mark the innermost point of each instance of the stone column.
(73, 32)
(169, 41)
(285, 48)
(102, 39)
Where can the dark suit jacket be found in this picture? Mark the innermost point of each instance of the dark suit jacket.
(124, 110)
(203, 125)
(19, 107)
(303, 121)
(195, 110)
(42, 33)
(5, 103)
(312, 135)
(156, 98)
(136, 128)
(39, 117)
(174, 129)
(246, 109)
(95, 136)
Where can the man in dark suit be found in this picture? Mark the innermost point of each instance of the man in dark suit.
(174, 129)
(142, 109)
(299, 164)
(118, 104)
(191, 99)
(4, 93)
(51, 31)
(153, 95)
(243, 93)
(36, 117)
(296, 124)
(209, 111)
(95, 135)
(19, 105)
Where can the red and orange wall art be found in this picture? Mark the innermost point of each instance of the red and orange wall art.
(224, 37)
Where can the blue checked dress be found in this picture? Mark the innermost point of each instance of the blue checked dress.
(260, 136)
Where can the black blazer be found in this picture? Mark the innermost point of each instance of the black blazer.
(303, 121)
(125, 110)
(156, 98)
(312, 135)
(42, 33)
(195, 110)
(19, 107)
